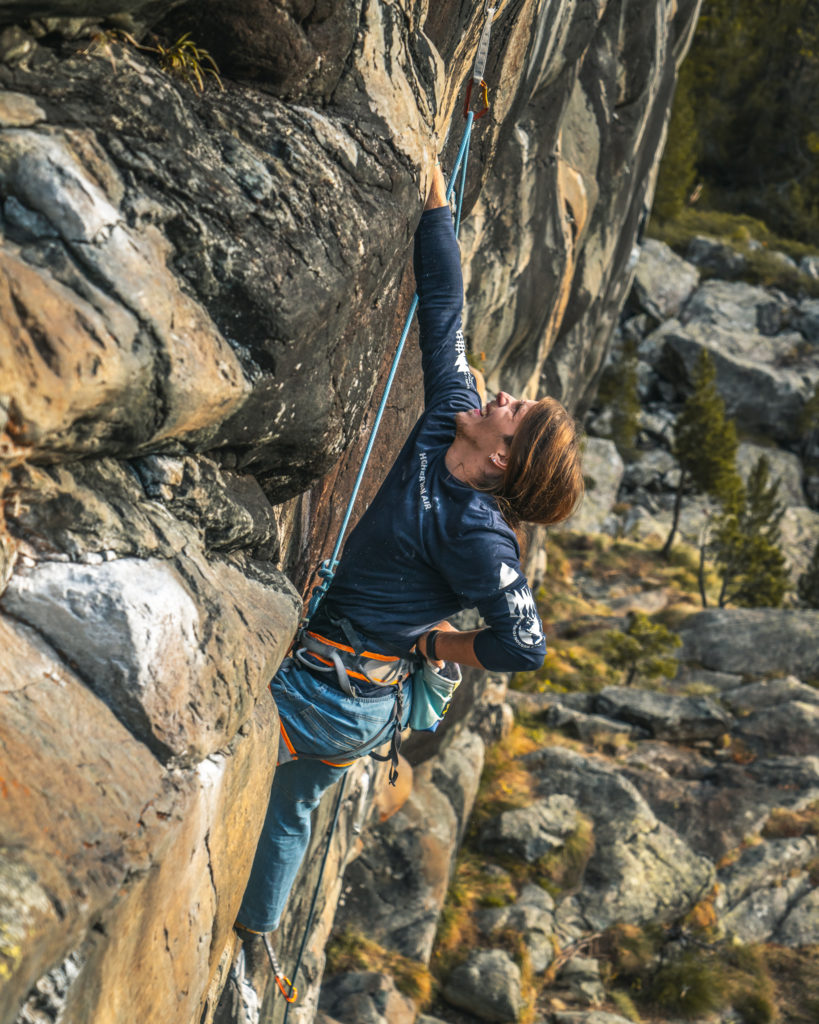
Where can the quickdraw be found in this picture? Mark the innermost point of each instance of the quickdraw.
(479, 68)
(281, 980)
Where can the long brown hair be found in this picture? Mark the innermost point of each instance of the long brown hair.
(543, 482)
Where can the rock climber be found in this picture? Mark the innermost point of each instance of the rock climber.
(439, 536)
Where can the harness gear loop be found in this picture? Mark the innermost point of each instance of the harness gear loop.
(281, 980)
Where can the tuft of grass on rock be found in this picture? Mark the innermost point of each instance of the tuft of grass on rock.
(475, 883)
(689, 985)
(561, 870)
(351, 950)
(625, 1006)
(693, 976)
(784, 823)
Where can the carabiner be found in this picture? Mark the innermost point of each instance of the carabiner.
(484, 98)
(294, 992)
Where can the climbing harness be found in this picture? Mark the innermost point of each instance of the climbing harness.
(327, 569)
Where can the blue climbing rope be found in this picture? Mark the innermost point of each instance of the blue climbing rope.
(327, 569)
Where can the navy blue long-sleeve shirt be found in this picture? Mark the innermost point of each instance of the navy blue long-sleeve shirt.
(429, 545)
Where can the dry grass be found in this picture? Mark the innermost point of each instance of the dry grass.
(784, 823)
(696, 976)
(575, 661)
(561, 870)
(795, 974)
(353, 951)
(737, 230)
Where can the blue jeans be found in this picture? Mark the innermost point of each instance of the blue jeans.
(319, 719)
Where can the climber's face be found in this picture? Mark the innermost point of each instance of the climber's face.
(492, 428)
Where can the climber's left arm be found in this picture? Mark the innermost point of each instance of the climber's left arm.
(438, 279)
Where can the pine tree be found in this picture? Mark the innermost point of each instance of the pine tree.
(753, 75)
(645, 649)
(618, 392)
(808, 584)
(705, 444)
(745, 545)
(678, 169)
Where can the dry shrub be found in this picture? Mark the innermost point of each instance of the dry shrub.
(784, 823)
(353, 951)
(561, 870)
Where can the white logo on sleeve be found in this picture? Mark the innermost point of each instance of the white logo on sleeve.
(526, 627)
(508, 575)
(461, 364)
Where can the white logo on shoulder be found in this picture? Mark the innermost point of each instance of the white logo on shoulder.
(508, 575)
(526, 627)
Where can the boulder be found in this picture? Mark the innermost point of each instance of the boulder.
(715, 806)
(581, 975)
(810, 265)
(807, 318)
(757, 917)
(488, 985)
(366, 997)
(783, 466)
(733, 305)
(799, 534)
(791, 727)
(588, 727)
(532, 917)
(768, 693)
(663, 281)
(753, 641)
(801, 926)
(663, 715)
(763, 866)
(655, 470)
(715, 682)
(602, 471)
(640, 869)
(528, 833)
(718, 258)
(764, 388)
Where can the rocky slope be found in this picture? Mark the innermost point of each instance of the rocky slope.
(199, 291)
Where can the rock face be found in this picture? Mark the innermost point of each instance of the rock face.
(488, 985)
(198, 294)
(395, 893)
(784, 641)
(640, 870)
